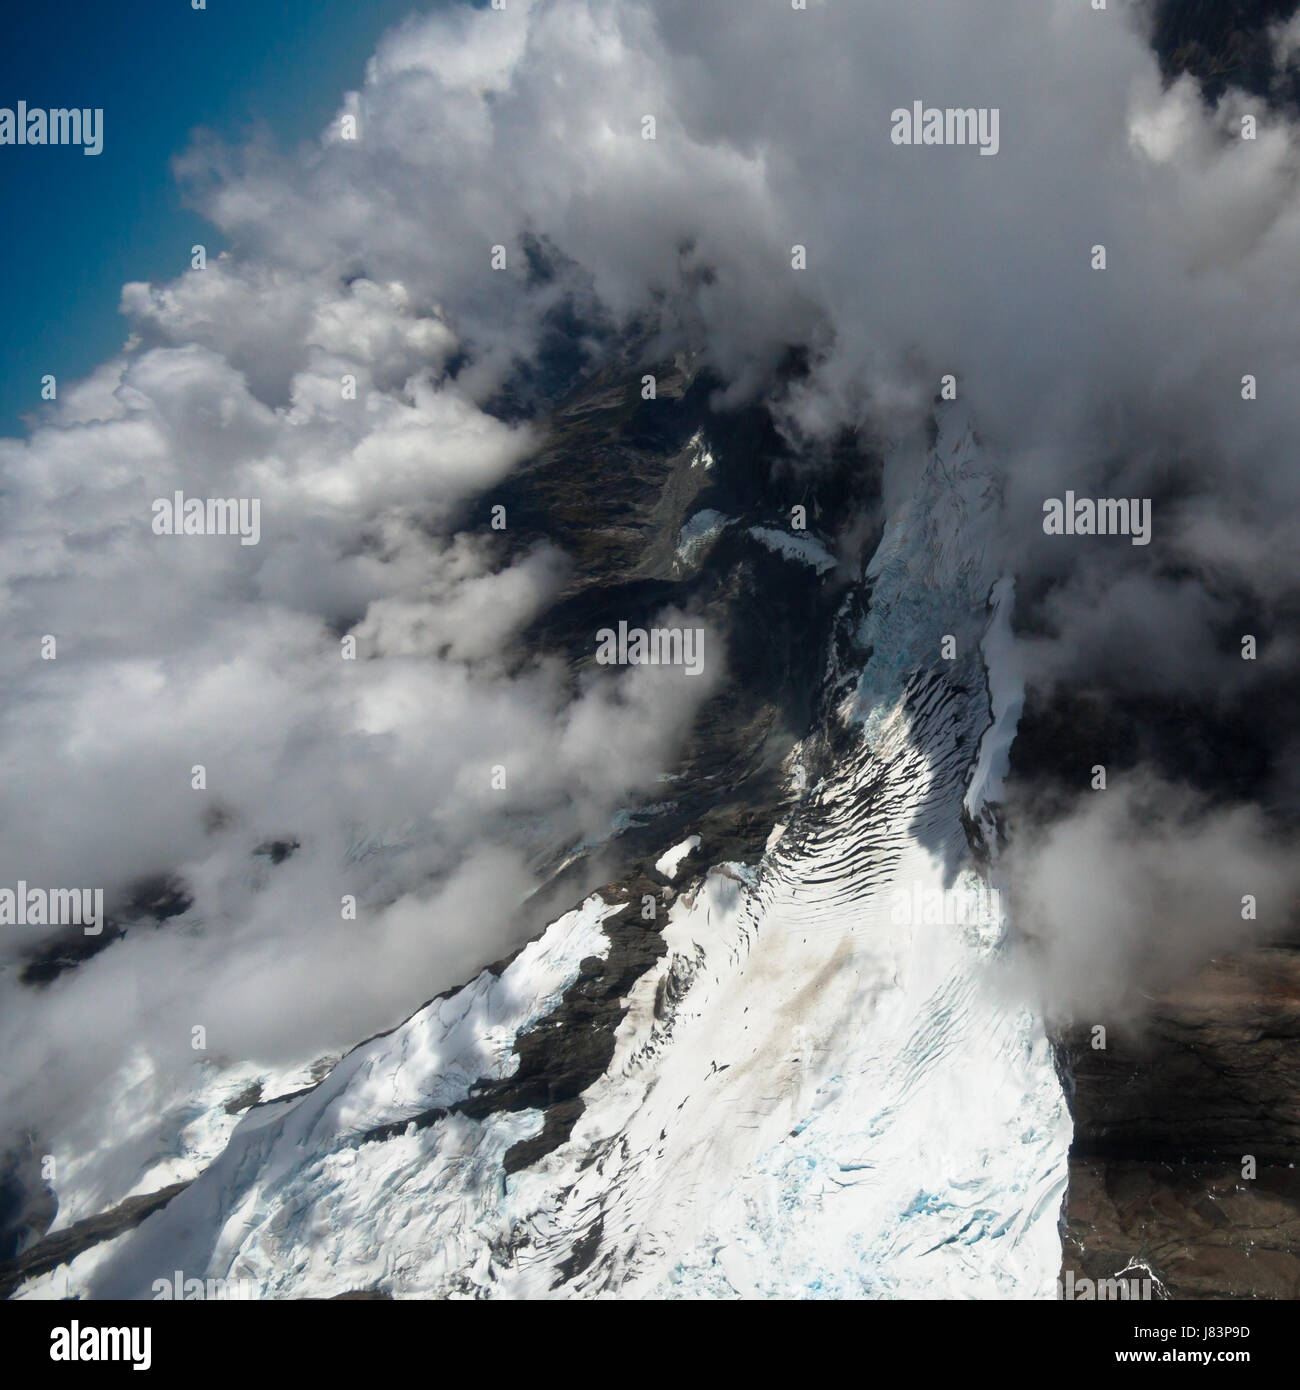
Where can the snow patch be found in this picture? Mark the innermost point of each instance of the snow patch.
(699, 534)
(804, 549)
(668, 863)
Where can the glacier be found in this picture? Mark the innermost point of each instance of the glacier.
(804, 1098)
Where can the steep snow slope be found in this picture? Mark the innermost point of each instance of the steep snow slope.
(811, 1093)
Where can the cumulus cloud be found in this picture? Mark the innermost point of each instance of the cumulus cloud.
(432, 778)
(1138, 885)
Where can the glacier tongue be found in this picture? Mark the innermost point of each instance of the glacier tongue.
(811, 1093)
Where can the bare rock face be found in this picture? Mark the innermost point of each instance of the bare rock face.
(1212, 1074)
(1200, 1229)
(1168, 1118)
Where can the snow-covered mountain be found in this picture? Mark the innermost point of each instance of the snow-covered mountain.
(808, 1087)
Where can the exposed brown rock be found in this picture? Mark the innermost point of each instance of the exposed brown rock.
(1166, 1117)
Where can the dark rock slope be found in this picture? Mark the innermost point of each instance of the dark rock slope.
(1168, 1119)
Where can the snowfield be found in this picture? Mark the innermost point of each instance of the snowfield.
(805, 1099)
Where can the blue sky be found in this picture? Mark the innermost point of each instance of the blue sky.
(75, 228)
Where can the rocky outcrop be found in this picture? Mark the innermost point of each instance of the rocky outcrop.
(1226, 41)
(1187, 1136)
(1201, 1230)
(564, 1052)
(63, 1246)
